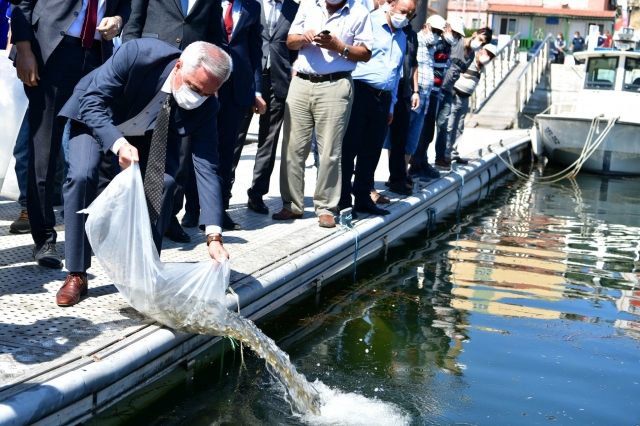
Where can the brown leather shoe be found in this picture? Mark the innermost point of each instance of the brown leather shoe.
(75, 286)
(327, 221)
(285, 214)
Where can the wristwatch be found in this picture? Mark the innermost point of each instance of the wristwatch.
(214, 237)
(416, 92)
(345, 52)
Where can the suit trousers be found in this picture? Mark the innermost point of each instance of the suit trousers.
(398, 136)
(364, 138)
(66, 66)
(419, 160)
(230, 117)
(327, 107)
(81, 187)
(268, 135)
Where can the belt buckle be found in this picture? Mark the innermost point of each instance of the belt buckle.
(315, 78)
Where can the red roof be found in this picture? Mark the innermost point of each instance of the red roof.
(509, 9)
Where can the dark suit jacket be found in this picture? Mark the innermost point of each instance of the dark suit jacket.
(245, 49)
(164, 20)
(281, 56)
(122, 87)
(45, 23)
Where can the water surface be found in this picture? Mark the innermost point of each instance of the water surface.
(522, 309)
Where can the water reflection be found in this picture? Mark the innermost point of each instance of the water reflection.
(522, 309)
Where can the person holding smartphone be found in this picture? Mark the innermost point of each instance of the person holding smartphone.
(332, 36)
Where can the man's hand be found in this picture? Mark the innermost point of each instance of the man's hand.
(127, 155)
(108, 27)
(217, 251)
(415, 101)
(308, 36)
(26, 64)
(390, 119)
(260, 107)
(329, 42)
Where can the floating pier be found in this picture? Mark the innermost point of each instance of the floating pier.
(65, 365)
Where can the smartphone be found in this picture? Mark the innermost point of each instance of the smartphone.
(325, 32)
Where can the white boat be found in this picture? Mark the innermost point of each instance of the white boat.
(605, 118)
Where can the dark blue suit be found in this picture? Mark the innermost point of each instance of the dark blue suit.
(237, 94)
(112, 94)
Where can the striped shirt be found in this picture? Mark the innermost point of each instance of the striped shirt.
(468, 80)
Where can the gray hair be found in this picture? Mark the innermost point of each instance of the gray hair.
(211, 57)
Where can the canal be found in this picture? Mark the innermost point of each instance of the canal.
(521, 309)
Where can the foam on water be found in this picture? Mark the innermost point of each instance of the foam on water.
(340, 408)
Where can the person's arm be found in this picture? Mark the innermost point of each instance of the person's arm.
(21, 36)
(298, 36)
(333, 43)
(255, 53)
(415, 97)
(204, 144)
(107, 84)
(133, 28)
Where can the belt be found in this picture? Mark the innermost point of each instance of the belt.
(377, 93)
(326, 77)
(78, 41)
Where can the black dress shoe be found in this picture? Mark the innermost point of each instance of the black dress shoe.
(371, 208)
(47, 256)
(400, 188)
(176, 233)
(229, 224)
(258, 206)
(191, 219)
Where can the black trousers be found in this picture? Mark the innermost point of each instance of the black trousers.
(66, 66)
(364, 138)
(419, 159)
(230, 117)
(81, 188)
(398, 133)
(268, 135)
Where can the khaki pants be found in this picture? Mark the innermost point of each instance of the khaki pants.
(327, 107)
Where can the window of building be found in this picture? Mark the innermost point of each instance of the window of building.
(507, 26)
(631, 75)
(601, 73)
(475, 23)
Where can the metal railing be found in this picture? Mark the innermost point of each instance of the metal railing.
(530, 76)
(495, 72)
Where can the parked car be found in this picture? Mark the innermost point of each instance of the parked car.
(553, 52)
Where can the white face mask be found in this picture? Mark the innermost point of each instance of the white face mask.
(398, 20)
(432, 38)
(475, 44)
(187, 98)
(334, 2)
(449, 38)
(484, 59)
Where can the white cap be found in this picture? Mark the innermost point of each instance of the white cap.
(457, 26)
(490, 48)
(437, 22)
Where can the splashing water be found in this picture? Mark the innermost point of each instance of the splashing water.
(206, 318)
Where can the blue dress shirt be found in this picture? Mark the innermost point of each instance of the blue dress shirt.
(384, 69)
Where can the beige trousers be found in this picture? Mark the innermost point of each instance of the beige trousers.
(327, 107)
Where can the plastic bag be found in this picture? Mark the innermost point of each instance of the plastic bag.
(185, 296)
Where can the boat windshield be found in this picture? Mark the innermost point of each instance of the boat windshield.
(631, 75)
(601, 73)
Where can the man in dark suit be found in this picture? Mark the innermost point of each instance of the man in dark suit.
(178, 23)
(276, 77)
(242, 40)
(127, 107)
(57, 43)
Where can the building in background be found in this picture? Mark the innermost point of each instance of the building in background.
(535, 19)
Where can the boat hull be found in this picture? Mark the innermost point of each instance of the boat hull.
(564, 137)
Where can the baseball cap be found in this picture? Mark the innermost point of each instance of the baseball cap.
(437, 22)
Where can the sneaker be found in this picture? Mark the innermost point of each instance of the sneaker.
(431, 172)
(21, 225)
(47, 256)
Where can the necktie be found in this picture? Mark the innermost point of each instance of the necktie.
(271, 25)
(228, 20)
(185, 7)
(89, 24)
(154, 176)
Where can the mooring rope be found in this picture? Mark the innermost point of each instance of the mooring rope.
(572, 170)
(345, 221)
